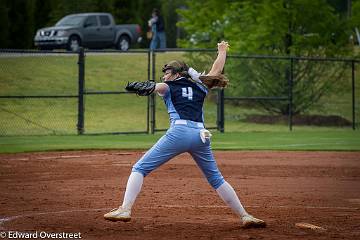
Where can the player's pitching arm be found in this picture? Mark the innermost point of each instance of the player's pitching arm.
(219, 62)
(214, 78)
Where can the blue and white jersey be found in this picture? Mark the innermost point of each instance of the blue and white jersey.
(185, 99)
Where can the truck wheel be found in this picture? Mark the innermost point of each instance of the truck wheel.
(123, 44)
(73, 44)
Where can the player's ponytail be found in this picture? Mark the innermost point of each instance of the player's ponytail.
(210, 82)
(182, 69)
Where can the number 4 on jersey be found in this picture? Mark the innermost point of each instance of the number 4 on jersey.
(187, 93)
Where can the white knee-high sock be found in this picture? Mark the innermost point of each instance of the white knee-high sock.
(228, 195)
(133, 188)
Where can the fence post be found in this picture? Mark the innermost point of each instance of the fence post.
(290, 96)
(149, 97)
(353, 93)
(220, 111)
(152, 97)
(81, 63)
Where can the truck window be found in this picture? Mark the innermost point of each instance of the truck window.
(70, 21)
(91, 21)
(104, 20)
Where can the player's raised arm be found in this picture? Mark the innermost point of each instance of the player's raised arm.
(219, 62)
(215, 78)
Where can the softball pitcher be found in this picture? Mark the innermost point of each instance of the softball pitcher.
(183, 91)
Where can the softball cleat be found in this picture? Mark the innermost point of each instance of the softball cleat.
(118, 214)
(252, 222)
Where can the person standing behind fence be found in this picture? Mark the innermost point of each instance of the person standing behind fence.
(158, 29)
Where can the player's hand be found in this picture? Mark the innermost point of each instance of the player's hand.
(223, 46)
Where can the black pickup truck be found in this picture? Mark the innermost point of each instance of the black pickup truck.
(91, 30)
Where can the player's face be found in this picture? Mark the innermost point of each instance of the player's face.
(168, 76)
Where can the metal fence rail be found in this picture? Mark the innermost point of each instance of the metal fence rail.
(84, 92)
(290, 78)
(76, 105)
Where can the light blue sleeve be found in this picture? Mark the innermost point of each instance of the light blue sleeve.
(166, 94)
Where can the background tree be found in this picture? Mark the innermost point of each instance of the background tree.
(61, 8)
(4, 24)
(168, 10)
(43, 9)
(355, 21)
(17, 23)
(278, 27)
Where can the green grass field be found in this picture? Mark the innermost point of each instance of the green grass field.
(53, 119)
(339, 140)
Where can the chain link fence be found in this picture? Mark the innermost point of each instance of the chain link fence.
(61, 93)
(108, 108)
(289, 91)
(38, 93)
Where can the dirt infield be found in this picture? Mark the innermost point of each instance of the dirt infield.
(68, 192)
